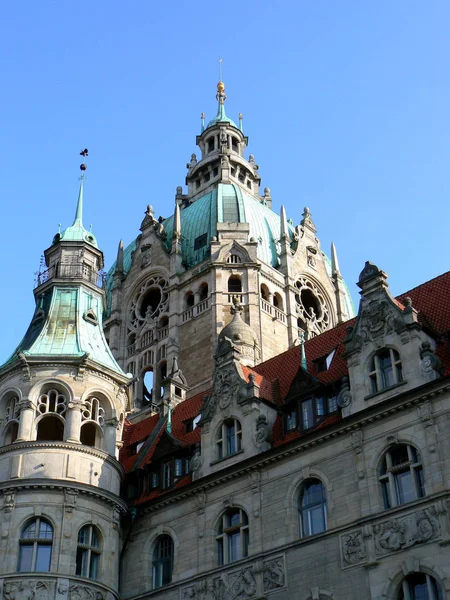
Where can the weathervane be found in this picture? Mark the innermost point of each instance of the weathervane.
(84, 153)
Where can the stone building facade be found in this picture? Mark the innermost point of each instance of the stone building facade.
(284, 449)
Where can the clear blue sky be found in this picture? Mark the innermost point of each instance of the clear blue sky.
(345, 104)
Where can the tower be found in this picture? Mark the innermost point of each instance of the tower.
(170, 291)
(63, 399)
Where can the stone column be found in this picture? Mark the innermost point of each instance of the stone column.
(26, 431)
(111, 436)
(73, 422)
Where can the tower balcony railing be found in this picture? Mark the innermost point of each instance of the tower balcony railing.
(195, 311)
(71, 271)
(273, 311)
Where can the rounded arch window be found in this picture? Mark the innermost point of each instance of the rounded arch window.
(163, 558)
(278, 301)
(50, 428)
(203, 291)
(419, 586)
(149, 302)
(401, 475)
(88, 552)
(35, 546)
(10, 432)
(312, 508)
(232, 536)
(52, 400)
(264, 292)
(10, 414)
(189, 299)
(234, 285)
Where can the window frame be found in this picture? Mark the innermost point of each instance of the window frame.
(389, 472)
(159, 561)
(36, 542)
(321, 406)
(89, 550)
(384, 376)
(226, 536)
(433, 588)
(229, 435)
(306, 511)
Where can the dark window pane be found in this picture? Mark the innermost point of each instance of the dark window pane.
(93, 571)
(405, 487)
(386, 494)
(26, 553)
(320, 407)
(307, 414)
(30, 531)
(420, 482)
(81, 562)
(399, 455)
(43, 556)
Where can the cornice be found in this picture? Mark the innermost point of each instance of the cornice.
(64, 446)
(315, 438)
(58, 484)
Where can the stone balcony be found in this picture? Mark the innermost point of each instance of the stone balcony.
(45, 586)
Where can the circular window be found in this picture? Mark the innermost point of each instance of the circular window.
(312, 310)
(149, 302)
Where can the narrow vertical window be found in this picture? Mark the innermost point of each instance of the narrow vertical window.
(401, 475)
(312, 508)
(232, 536)
(163, 561)
(35, 546)
(88, 552)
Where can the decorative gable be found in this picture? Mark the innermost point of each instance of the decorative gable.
(387, 351)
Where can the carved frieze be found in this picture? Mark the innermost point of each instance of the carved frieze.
(48, 589)
(366, 545)
(226, 388)
(398, 534)
(248, 582)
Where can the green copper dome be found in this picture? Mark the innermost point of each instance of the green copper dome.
(221, 117)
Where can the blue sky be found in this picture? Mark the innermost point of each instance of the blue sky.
(345, 104)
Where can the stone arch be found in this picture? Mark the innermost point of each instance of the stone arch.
(203, 290)
(264, 292)
(9, 415)
(408, 567)
(233, 248)
(149, 547)
(322, 304)
(105, 397)
(157, 279)
(291, 498)
(49, 428)
(48, 383)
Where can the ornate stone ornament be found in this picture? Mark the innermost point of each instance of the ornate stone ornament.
(398, 534)
(378, 318)
(263, 431)
(352, 547)
(149, 302)
(273, 574)
(226, 388)
(311, 307)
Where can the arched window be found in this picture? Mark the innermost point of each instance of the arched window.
(278, 301)
(88, 552)
(92, 423)
(203, 291)
(35, 546)
(419, 586)
(401, 475)
(163, 561)
(312, 508)
(234, 285)
(50, 429)
(385, 370)
(229, 438)
(189, 299)
(232, 536)
(264, 292)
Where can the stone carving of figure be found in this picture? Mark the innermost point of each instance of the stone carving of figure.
(262, 430)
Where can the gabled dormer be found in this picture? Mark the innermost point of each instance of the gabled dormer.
(388, 351)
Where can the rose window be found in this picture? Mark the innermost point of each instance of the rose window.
(312, 310)
(150, 301)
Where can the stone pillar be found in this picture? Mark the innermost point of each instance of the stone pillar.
(73, 422)
(110, 436)
(26, 431)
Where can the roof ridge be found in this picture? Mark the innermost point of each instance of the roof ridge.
(149, 442)
(421, 285)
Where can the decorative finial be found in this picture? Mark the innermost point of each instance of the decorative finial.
(221, 96)
(202, 121)
(301, 338)
(240, 122)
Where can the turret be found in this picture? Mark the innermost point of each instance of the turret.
(63, 399)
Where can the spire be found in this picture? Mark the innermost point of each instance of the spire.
(202, 121)
(283, 224)
(240, 123)
(177, 222)
(119, 260)
(334, 260)
(78, 220)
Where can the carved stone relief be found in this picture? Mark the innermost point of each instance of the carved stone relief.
(226, 388)
(388, 536)
(247, 582)
(398, 534)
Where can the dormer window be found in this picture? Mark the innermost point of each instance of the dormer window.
(229, 438)
(210, 145)
(385, 370)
